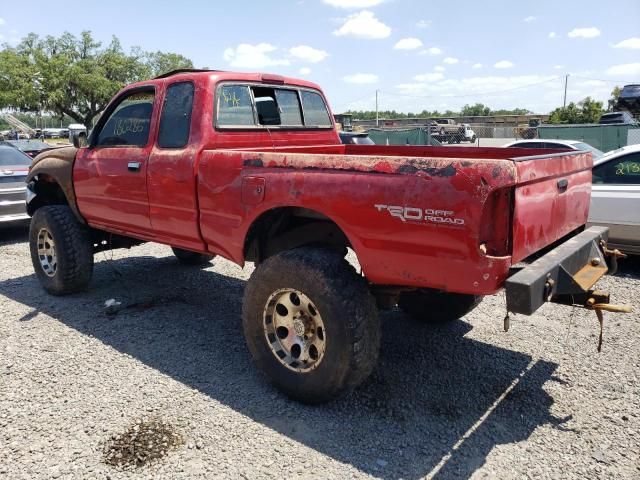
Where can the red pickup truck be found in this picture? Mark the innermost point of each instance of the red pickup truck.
(250, 167)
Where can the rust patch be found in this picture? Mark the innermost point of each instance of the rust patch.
(253, 162)
(448, 171)
(495, 173)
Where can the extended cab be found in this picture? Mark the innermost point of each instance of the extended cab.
(250, 167)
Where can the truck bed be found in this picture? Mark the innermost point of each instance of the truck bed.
(450, 218)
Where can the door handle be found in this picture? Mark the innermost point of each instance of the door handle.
(133, 166)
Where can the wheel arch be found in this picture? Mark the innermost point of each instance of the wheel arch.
(288, 227)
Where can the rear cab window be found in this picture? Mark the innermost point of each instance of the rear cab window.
(265, 106)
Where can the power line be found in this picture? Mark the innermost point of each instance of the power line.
(370, 94)
(601, 80)
(500, 92)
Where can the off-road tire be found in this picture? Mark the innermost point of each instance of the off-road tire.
(348, 311)
(73, 249)
(433, 306)
(187, 257)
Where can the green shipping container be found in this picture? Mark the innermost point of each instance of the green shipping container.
(412, 136)
(602, 137)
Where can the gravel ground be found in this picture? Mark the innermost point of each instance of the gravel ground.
(465, 400)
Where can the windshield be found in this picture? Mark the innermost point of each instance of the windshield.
(585, 147)
(10, 156)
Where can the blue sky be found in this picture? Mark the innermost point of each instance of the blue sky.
(504, 54)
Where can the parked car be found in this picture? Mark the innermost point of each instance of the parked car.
(14, 166)
(250, 167)
(615, 118)
(556, 145)
(354, 138)
(615, 197)
(31, 147)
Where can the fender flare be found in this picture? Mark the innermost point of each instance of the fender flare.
(55, 166)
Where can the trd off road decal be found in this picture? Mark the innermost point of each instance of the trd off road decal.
(414, 214)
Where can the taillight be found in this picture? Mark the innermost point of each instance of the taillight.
(495, 229)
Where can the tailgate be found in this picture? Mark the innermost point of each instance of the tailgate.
(551, 199)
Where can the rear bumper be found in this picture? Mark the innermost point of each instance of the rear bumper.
(569, 269)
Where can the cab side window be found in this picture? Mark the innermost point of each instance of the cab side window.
(619, 171)
(315, 110)
(129, 123)
(175, 121)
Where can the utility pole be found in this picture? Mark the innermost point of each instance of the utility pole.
(376, 107)
(566, 80)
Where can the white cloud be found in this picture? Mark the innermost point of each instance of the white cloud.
(624, 70)
(586, 32)
(471, 85)
(633, 43)
(503, 64)
(2, 22)
(246, 55)
(304, 71)
(552, 35)
(431, 51)
(558, 67)
(530, 19)
(428, 77)
(476, 66)
(439, 68)
(308, 54)
(424, 23)
(363, 24)
(353, 3)
(361, 78)
(410, 43)
(450, 60)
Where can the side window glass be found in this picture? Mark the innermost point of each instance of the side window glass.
(316, 113)
(620, 171)
(128, 125)
(289, 107)
(234, 106)
(175, 121)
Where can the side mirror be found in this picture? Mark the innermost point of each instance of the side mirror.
(79, 139)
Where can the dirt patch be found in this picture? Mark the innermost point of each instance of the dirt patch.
(142, 443)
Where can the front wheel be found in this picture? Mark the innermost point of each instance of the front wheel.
(311, 324)
(433, 306)
(61, 250)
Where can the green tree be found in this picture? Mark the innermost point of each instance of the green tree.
(613, 101)
(477, 110)
(73, 76)
(586, 111)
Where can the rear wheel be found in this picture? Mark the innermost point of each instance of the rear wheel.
(61, 250)
(433, 306)
(188, 257)
(311, 324)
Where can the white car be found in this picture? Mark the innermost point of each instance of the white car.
(557, 144)
(615, 197)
